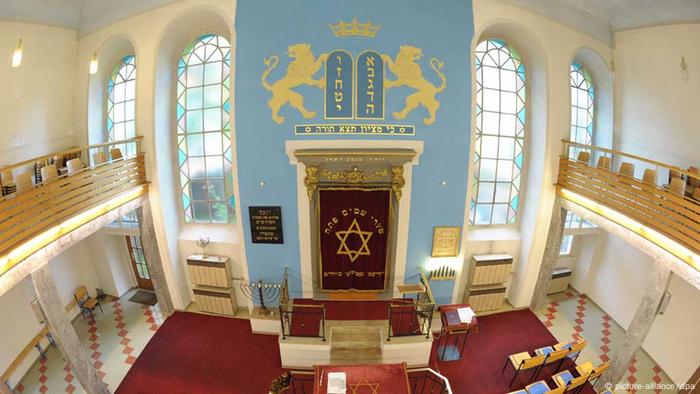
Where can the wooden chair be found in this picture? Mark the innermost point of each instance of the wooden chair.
(523, 361)
(99, 158)
(677, 186)
(583, 156)
(696, 194)
(541, 387)
(6, 177)
(672, 174)
(574, 348)
(626, 172)
(74, 165)
(86, 303)
(281, 383)
(594, 373)
(116, 154)
(49, 173)
(604, 163)
(568, 382)
(24, 182)
(553, 355)
(649, 177)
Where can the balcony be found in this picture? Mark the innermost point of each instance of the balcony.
(46, 197)
(658, 201)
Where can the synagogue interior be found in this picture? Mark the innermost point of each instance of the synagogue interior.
(349, 197)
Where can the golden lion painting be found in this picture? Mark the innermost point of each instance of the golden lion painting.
(300, 71)
(409, 73)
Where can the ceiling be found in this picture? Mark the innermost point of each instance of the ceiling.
(599, 18)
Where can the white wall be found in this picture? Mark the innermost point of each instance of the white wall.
(618, 278)
(673, 339)
(18, 328)
(657, 110)
(70, 270)
(111, 262)
(36, 98)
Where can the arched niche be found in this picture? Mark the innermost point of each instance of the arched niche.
(603, 85)
(182, 30)
(517, 239)
(111, 51)
(534, 58)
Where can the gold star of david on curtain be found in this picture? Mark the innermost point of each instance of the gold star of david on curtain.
(343, 249)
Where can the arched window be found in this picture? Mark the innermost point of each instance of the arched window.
(500, 133)
(121, 103)
(582, 106)
(204, 131)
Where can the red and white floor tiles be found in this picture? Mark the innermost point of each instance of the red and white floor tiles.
(571, 315)
(113, 341)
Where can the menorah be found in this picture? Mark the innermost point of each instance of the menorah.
(261, 293)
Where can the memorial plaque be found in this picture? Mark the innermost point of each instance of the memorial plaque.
(446, 241)
(266, 225)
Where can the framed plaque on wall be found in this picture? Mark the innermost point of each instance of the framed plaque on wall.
(266, 225)
(446, 241)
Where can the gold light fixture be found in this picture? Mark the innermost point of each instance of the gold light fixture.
(93, 64)
(17, 55)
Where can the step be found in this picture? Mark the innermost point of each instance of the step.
(356, 345)
(355, 337)
(356, 356)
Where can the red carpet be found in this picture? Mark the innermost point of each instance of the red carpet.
(355, 310)
(194, 353)
(502, 334)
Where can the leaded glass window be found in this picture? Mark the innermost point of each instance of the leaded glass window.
(121, 104)
(582, 107)
(500, 133)
(204, 131)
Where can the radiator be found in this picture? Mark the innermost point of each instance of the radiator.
(559, 281)
(211, 271)
(487, 299)
(215, 301)
(210, 278)
(488, 281)
(491, 272)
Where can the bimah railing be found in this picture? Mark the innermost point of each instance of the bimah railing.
(300, 319)
(414, 318)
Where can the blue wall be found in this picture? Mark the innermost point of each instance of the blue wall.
(441, 29)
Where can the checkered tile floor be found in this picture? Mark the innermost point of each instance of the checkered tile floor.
(113, 340)
(570, 315)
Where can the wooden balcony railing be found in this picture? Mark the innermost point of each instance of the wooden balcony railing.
(630, 185)
(32, 205)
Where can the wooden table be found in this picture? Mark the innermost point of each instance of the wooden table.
(414, 288)
(365, 379)
(452, 326)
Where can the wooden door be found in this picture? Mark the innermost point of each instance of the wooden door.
(138, 262)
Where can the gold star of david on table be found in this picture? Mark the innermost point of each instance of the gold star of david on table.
(343, 237)
(364, 383)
